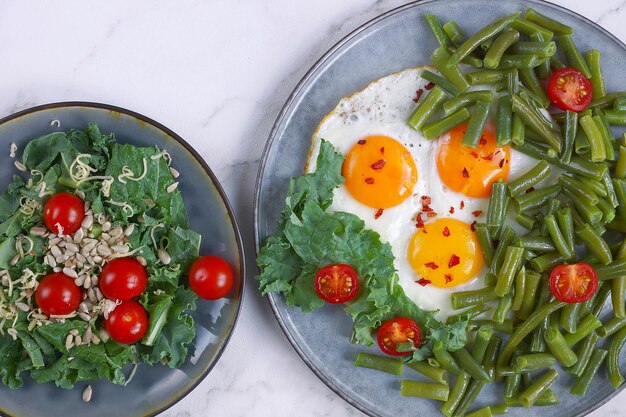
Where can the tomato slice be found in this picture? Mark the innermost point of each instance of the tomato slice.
(336, 283)
(396, 331)
(570, 90)
(573, 283)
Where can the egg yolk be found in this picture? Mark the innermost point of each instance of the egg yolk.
(379, 172)
(472, 171)
(445, 253)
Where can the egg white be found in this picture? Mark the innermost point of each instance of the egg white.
(382, 108)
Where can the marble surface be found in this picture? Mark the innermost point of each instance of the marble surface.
(216, 72)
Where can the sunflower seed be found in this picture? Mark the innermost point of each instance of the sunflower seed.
(83, 307)
(98, 259)
(56, 252)
(87, 222)
(32, 325)
(80, 258)
(99, 295)
(79, 235)
(79, 281)
(78, 339)
(69, 341)
(91, 294)
(38, 231)
(70, 273)
(83, 316)
(20, 166)
(87, 207)
(87, 393)
(57, 269)
(50, 260)
(104, 237)
(174, 172)
(117, 232)
(172, 187)
(164, 257)
(87, 336)
(95, 339)
(38, 316)
(129, 229)
(22, 306)
(120, 248)
(87, 283)
(104, 250)
(94, 280)
(72, 247)
(87, 248)
(106, 226)
(142, 261)
(74, 332)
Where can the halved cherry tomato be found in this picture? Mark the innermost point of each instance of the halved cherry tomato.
(123, 279)
(63, 212)
(128, 323)
(570, 90)
(573, 283)
(57, 294)
(396, 331)
(336, 283)
(211, 277)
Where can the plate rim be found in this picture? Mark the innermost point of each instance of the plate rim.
(285, 110)
(218, 186)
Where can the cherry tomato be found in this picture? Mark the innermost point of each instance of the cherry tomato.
(336, 283)
(211, 277)
(128, 323)
(570, 90)
(395, 331)
(573, 283)
(57, 294)
(64, 210)
(123, 279)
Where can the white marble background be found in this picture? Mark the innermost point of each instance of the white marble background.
(217, 72)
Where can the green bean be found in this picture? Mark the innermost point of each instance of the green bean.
(471, 312)
(498, 204)
(555, 63)
(607, 184)
(510, 61)
(436, 28)
(581, 143)
(441, 82)
(476, 124)
(499, 409)
(506, 274)
(541, 49)
(584, 328)
(499, 45)
(504, 116)
(454, 32)
(569, 317)
(525, 220)
(548, 397)
(437, 128)
(482, 412)
(571, 128)
(595, 244)
(613, 325)
(566, 225)
(512, 385)
(491, 355)
(512, 81)
(487, 76)
(620, 167)
(534, 361)
(483, 34)
(470, 365)
(592, 58)
(527, 27)
(520, 285)
(456, 395)
(616, 117)
(470, 396)
(582, 384)
(584, 354)
(618, 224)
(530, 80)
(620, 192)
(529, 179)
(530, 394)
(557, 237)
(535, 243)
(517, 130)
(577, 188)
(547, 261)
(426, 108)
(445, 359)
(602, 296)
(502, 310)
(428, 390)
(441, 59)
(607, 100)
(619, 104)
(607, 209)
(533, 119)
(466, 99)
(381, 363)
(462, 299)
(548, 23)
(484, 239)
(530, 292)
(594, 136)
(432, 372)
(572, 54)
(612, 363)
(525, 328)
(607, 135)
(543, 69)
(504, 327)
(481, 342)
(590, 213)
(559, 348)
(506, 239)
(536, 198)
(618, 287)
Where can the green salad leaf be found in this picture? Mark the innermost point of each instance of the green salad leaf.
(310, 237)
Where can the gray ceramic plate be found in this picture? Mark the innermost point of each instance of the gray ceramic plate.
(396, 40)
(156, 388)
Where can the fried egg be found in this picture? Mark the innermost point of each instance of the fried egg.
(422, 196)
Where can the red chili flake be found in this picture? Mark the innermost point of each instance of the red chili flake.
(378, 164)
(477, 213)
(382, 150)
(488, 157)
(451, 210)
(418, 94)
(362, 142)
(502, 162)
(448, 278)
(426, 200)
(423, 282)
(483, 141)
(378, 214)
(473, 226)
(424, 230)
(431, 265)
(419, 222)
(465, 173)
(454, 261)
(431, 214)
(427, 209)
(530, 190)
(369, 180)
(474, 154)
(446, 231)
(496, 243)
(429, 86)
(462, 205)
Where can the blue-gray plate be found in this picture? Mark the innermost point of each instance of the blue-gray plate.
(394, 41)
(154, 388)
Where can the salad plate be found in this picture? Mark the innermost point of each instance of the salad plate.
(392, 42)
(152, 388)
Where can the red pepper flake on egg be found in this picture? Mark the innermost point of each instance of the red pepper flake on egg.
(502, 162)
(382, 150)
(431, 265)
(429, 86)
(378, 164)
(483, 141)
(473, 226)
(431, 214)
(419, 222)
(448, 278)
(369, 180)
(451, 210)
(378, 214)
(454, 261)
(462, 205)
(362, 142)
(477, 213)
(465, 173)
(446, 231)
(418, 94)
(423, 282)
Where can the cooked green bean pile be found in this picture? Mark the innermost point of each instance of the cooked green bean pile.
(531, 336)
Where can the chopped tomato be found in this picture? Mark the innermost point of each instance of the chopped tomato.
(570, 90)
(573, 283)
(337, 283)
(398, 331)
